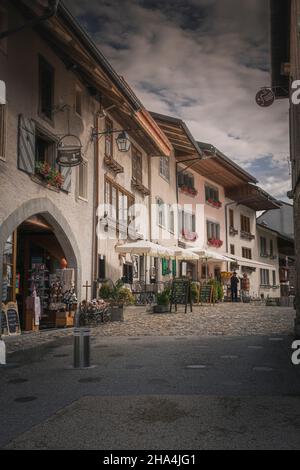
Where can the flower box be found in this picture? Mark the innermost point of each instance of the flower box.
(190, 236)
(216, 204)
(50, 175)
(188, 190)
(215, 242)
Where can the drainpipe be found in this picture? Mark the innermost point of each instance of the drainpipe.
(50, 12)
(95, 207)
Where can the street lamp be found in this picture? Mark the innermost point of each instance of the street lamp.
(123, 142)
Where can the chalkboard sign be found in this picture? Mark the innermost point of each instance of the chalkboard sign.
(13, 320)
(181, 294)
(4, 325)
(206, 294)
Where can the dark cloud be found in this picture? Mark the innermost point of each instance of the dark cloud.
(203, 61)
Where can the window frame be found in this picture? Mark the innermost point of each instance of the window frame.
(164, 163)
(245, 224)
(110, 185)
(84, 165)
(136, 164)
(78, 92)
(264, 276)
(217, 230)
(246, 252)
(42, 62)
(215, 192)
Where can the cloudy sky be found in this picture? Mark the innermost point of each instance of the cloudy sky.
(202, 61)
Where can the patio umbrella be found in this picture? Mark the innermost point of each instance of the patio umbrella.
(211, 256)
(145, 248)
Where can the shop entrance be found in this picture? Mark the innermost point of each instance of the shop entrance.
(37, 277)
(39, 271)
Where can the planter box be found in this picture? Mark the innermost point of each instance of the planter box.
(116, 313)
(161, 308)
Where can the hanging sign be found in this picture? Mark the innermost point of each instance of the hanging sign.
(4, 325)
(13, 320)
(69, 151)
(265, 97)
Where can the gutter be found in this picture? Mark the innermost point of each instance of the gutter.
(66, 15)
(51, 11)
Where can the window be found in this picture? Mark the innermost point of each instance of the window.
(211, 194)
(137, 171)
(102, 268)
(78, 100)
(2, 131)
(264, 277)
(45, 149)
(245, 224)
(161, 212)
(119, 203)
(46, 89)
(263, 246)
(109, 143)
(246, 253)
(185, 180)
(232, 249)
(171, 219)
(164, 168)
(271, 248)
(231, 218)
(213, 231)
(83, 180)
(274, 278)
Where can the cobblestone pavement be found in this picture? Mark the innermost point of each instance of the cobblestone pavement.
(221, 319)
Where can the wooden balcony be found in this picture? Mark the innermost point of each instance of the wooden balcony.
(138, 186)
(113, 165)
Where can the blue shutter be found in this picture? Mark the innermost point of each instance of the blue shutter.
(26, 145)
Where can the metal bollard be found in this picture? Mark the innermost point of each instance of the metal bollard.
(81, 348)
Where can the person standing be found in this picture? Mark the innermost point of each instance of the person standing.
(245, 286)
(234, 280)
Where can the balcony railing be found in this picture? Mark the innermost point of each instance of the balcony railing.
(247, 235)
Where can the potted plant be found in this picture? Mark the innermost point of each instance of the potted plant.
(119, 296)
(163, 302)
(195, 290)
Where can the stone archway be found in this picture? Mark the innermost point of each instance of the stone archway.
(61, 228)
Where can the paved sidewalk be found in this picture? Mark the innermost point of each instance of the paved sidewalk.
(221, 319)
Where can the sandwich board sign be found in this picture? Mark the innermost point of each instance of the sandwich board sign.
(2, 92)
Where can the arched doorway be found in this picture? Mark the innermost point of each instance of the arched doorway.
(40, 225)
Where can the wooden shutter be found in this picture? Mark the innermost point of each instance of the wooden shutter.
(26, 147)
(67, 174)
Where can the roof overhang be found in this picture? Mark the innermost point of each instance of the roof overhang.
(81, 55)
(221, 169)
(252, 196)
(179, 135)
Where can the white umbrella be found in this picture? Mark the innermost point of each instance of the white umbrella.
(144, 247)
(211, 256)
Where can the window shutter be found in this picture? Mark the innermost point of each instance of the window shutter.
(26, 147)
(67, 174)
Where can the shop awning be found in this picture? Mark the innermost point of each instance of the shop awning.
(252, 263)
(208, 255)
